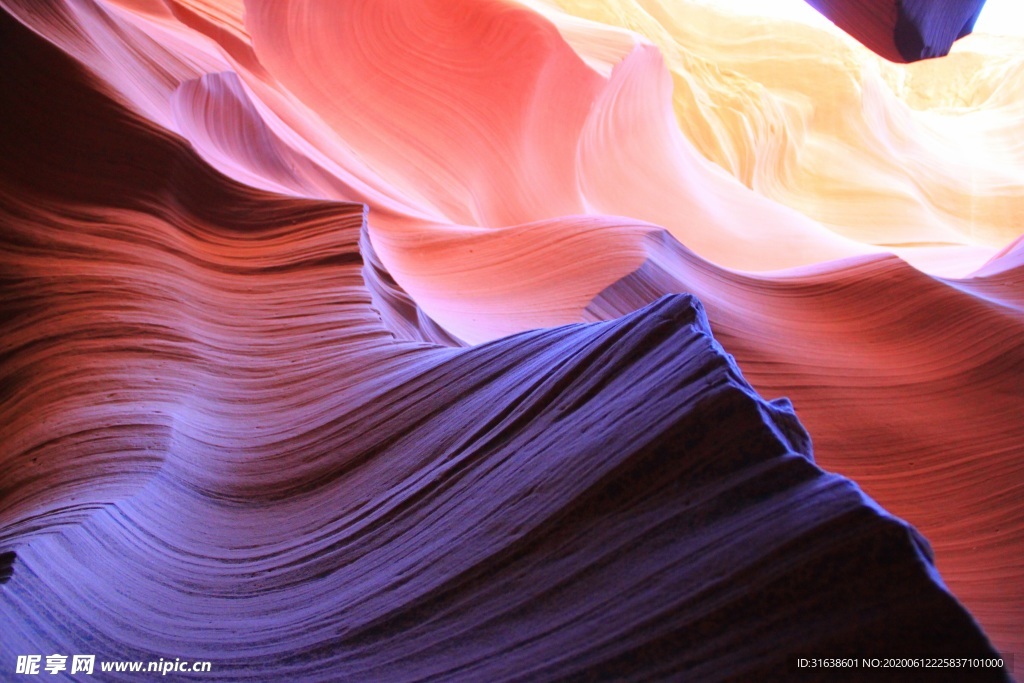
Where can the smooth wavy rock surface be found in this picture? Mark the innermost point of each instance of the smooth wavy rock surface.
(336, 344)
(220, 454)
(923, 160)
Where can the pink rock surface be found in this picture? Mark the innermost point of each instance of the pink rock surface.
(243, 251)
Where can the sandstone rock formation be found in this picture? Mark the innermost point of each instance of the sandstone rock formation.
(403, 341)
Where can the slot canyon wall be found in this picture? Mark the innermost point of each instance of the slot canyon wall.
(468, 340)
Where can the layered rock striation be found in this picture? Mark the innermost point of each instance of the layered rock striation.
(301, 378)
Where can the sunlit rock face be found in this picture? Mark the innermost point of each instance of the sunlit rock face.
(359, 341)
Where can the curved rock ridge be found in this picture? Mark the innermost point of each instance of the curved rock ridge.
(561, 527)
(246, 419)
(318, 502)
(872, 374)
